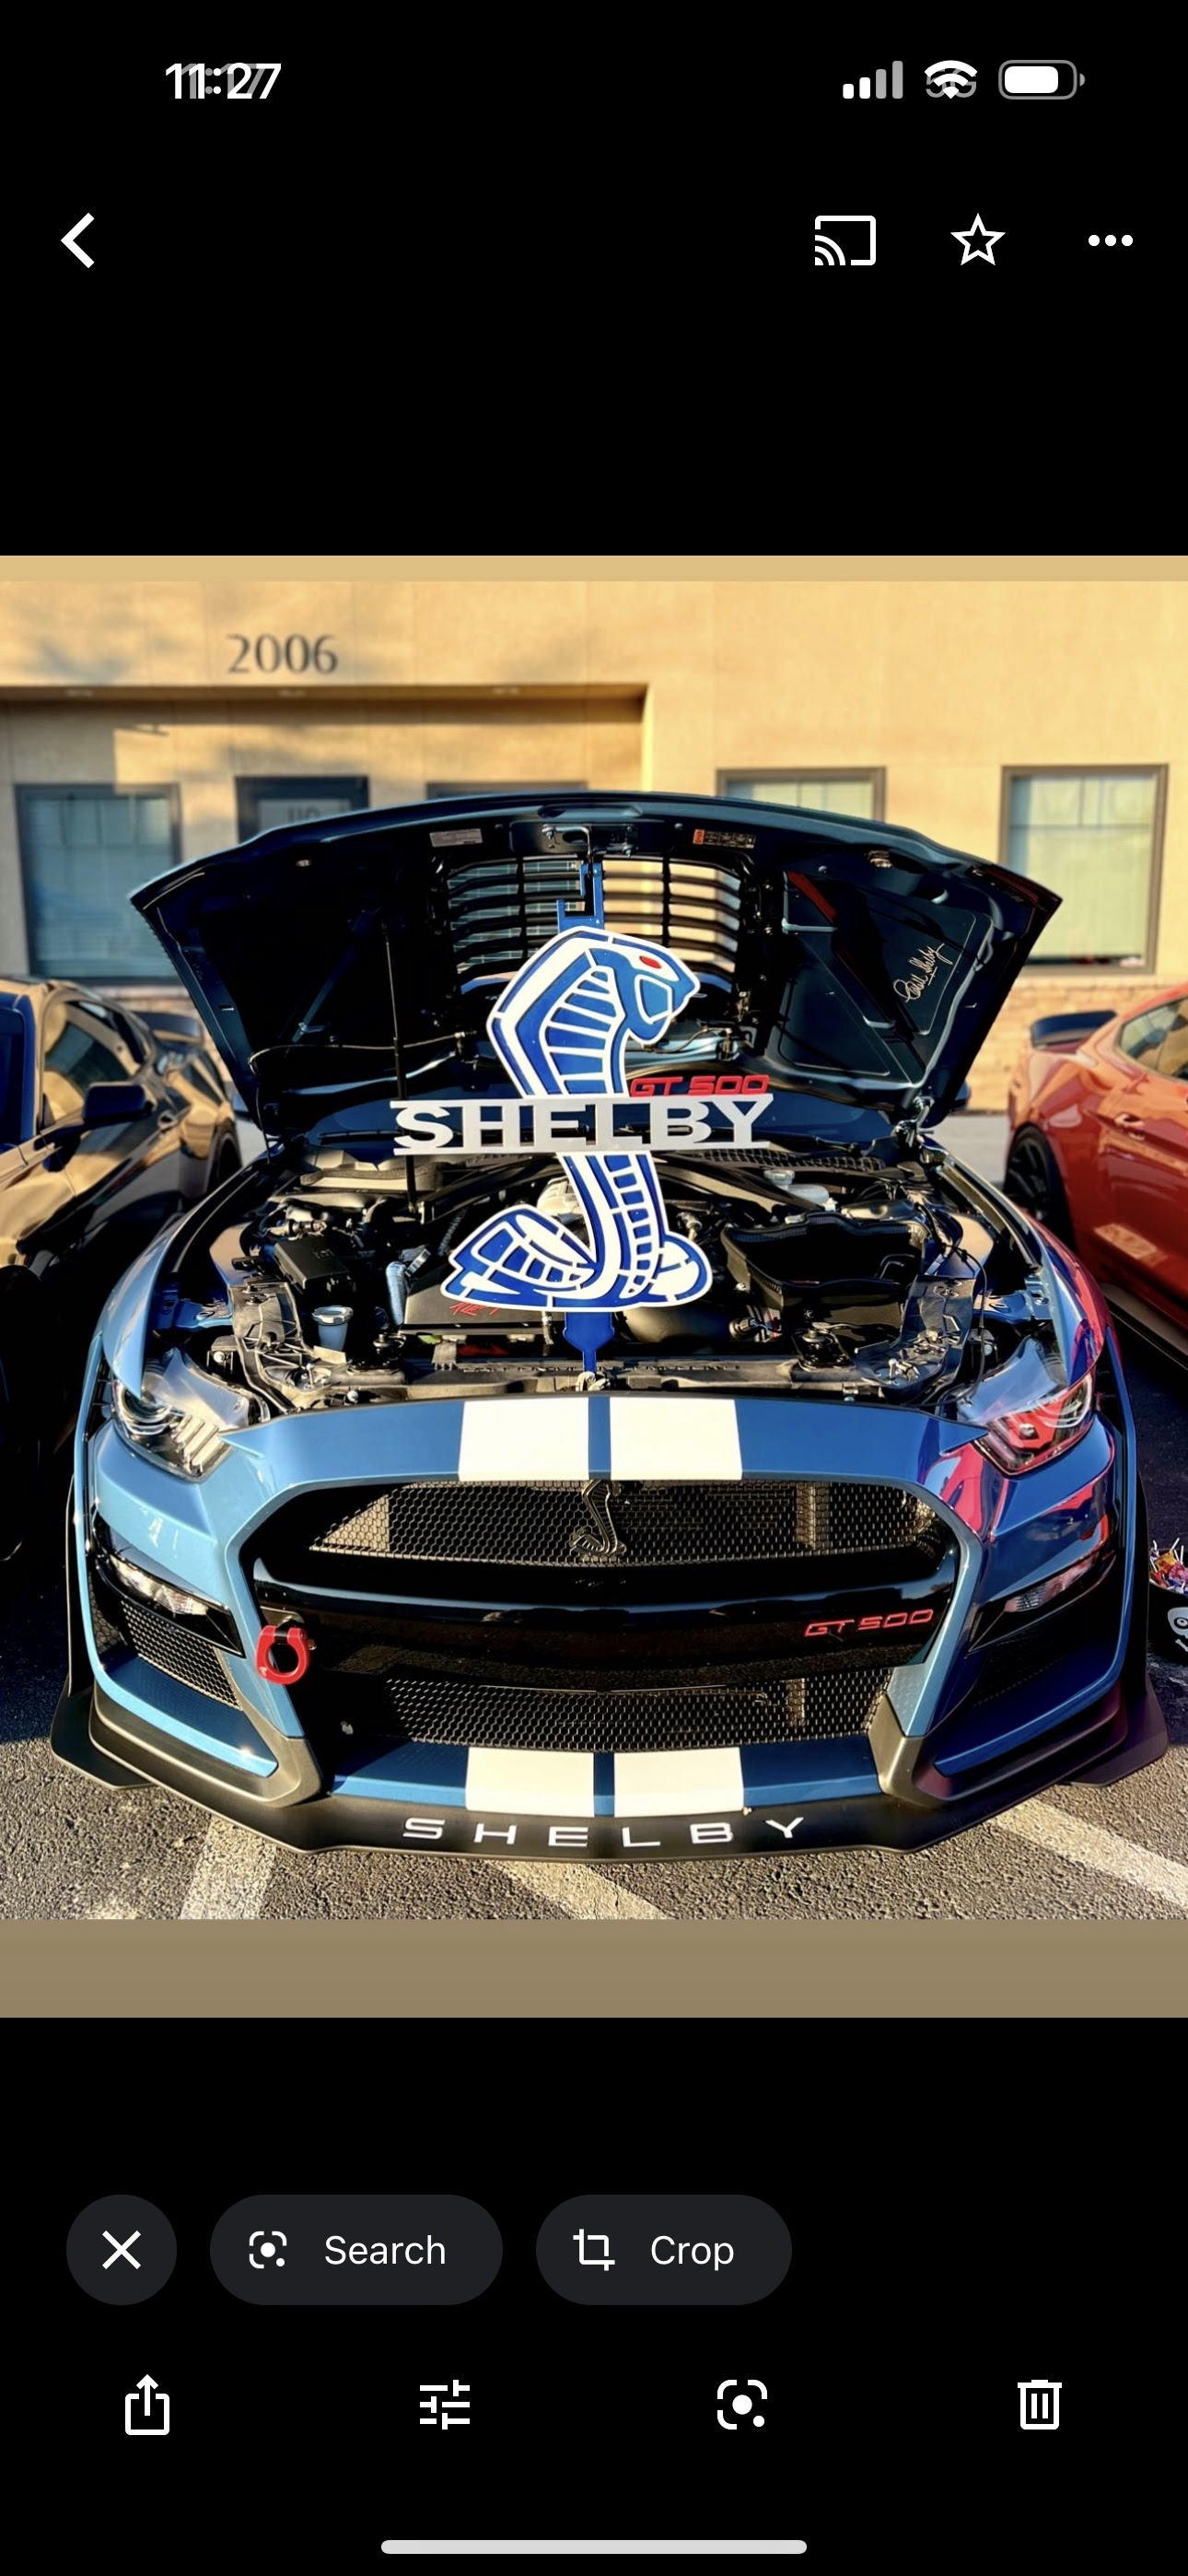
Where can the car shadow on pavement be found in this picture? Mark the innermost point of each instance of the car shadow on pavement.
(32, 1659)
(33, 1618)
(1170, 1683)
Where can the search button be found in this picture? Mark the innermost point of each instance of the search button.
(367, 2249)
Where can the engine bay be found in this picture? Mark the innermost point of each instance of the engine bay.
(883, 1274)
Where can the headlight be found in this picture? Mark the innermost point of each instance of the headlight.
(120, 1579)
(1039, 1596)
(181, 1418)
(153, 1587)
(1029, 1438)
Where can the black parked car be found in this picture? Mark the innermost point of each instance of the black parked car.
(110, 1124)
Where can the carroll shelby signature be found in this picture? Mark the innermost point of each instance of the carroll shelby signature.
(921, 970)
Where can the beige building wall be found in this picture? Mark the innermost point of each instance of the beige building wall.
(661, 683)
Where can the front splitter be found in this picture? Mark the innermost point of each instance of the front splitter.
(1124, 1737)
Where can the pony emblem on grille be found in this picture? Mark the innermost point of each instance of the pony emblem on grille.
(561, 1028)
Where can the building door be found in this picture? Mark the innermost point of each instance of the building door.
(264, 804)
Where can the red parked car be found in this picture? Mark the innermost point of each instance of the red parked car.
(1098, 1147)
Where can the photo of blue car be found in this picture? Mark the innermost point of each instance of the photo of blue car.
(605, 1420)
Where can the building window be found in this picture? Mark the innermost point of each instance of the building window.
(1094, 837)
(83, 851)
(267, 804)
(861, 792)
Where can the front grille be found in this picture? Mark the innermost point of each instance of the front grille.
(760, 1521)
(503, 908)
(166, 1643)
(415, 1709)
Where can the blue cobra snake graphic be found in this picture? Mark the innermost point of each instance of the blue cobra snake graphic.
(561, 1028)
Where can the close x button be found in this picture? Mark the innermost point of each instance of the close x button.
(121, 2250)
(664, 2250)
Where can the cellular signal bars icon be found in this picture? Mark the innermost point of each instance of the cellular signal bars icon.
(880, 84)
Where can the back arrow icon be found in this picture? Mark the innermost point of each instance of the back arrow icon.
(70, 239)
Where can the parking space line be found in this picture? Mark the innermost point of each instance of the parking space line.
(231, 1877)
(580, 1892)
(1055, 1830)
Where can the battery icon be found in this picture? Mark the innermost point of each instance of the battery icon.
(1040, 80)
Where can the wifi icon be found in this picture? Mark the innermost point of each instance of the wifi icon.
(844, 241)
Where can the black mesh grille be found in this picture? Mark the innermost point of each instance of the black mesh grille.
(757, 1521)
(175, 1650)
(419, 1710)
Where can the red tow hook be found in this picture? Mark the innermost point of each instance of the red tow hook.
(295, 1641)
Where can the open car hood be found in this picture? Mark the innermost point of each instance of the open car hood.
(347, 960)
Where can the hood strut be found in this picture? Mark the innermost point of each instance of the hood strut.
(397, 1040)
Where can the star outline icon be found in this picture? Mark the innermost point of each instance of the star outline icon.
(982, 248)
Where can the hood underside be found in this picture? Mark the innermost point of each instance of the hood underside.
(340, 961)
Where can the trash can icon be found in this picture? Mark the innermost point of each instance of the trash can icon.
(1039, 2404)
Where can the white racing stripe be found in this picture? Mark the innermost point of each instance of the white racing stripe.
(499, 1783)
(1054, 1830)
(580, 1892)
(505, 1441)
(231, 1878)
(679, 1784)
(653, 1436)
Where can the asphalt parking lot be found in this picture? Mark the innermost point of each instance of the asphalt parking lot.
(69, 1848)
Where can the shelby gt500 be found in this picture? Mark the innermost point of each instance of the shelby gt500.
(605, 1420)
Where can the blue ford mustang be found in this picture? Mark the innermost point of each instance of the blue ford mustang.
(605, 1420)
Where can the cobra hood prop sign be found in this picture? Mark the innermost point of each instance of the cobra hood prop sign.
(561, 1028)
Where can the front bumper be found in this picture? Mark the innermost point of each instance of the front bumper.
(1105, 1743)
(940, 1753)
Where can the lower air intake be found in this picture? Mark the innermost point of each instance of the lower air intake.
(167, 1644)
(818, 1709)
